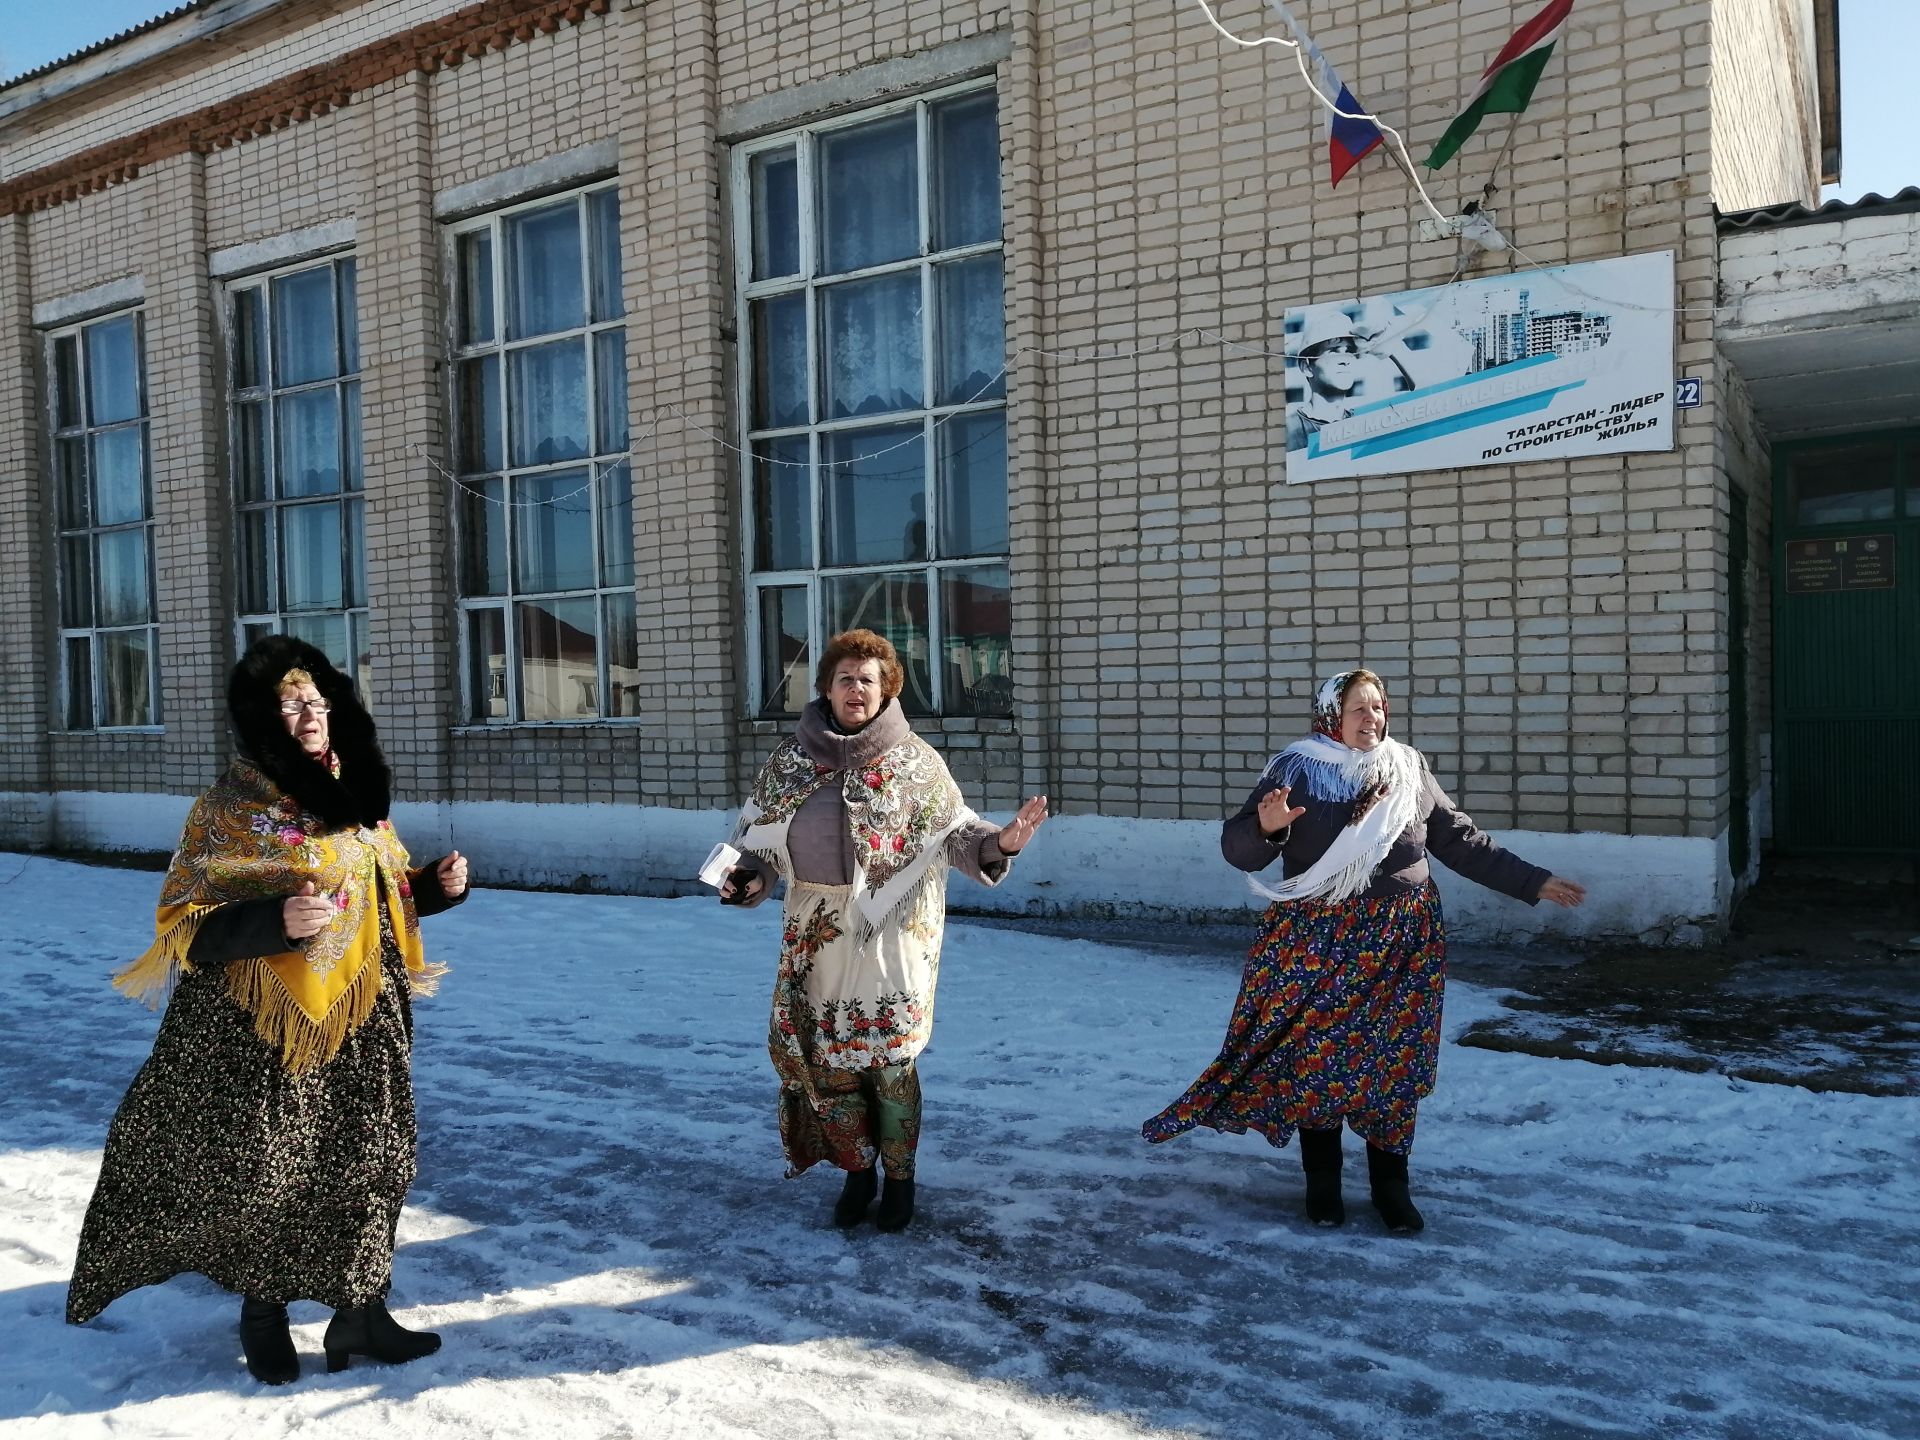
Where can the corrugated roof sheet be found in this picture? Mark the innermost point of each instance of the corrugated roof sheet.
(1777, 217)
(107, 44)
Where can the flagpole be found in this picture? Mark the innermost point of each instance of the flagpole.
(1487, 190)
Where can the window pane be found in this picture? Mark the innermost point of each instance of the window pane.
(483, 538)
(553, 533)
(603, 213)
(976, 617)
(113, 371)
(310, 558)
(966, 171)
(249, 339)
(119, 482)
(775, 180)
(256, 562)
(782, 504)
(304, 323)
(973, 335)
(543, 289)
(356, 568)
(623, 655)
(559, 670)
(360, 644)
(487, 666)
(70, 468)
(326, 633)
(973, 484)
(350, 448)
(480, 442)
(307, 427)
(121, 578)
(476, 287)
(870, 193)
(254, 630)
(349, 286)
(895, 605)
(126, 666)
(610, 381)
(873, 494)
(786, 664)
(79, 683)
(250, 450)
(1841, 483)
(780, 361)
(872, 342)
(548, 402)
(76, 582)
(66, 383)
(616, 524)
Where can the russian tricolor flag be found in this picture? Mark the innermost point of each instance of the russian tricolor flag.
(1348, 141)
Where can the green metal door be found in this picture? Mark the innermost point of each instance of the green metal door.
(1846, 644)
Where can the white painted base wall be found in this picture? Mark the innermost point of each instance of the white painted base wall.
(1659, 889)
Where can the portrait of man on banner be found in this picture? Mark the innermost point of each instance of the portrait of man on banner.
(1336, 362)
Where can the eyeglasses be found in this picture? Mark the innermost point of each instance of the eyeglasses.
(294, 707)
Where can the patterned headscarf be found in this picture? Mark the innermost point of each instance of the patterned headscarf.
(1327, 704)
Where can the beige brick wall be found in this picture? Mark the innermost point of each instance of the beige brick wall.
(1553, 633)
(24, 526)
(1764, 112)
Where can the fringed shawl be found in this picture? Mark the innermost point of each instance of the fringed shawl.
(247, 840)
(901, 808)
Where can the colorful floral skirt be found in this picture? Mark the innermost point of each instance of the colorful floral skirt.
(1337, 1022)
(848, 1019)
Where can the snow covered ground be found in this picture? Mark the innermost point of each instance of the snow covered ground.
(602, 1235)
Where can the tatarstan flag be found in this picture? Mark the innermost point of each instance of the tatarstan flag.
(1508, 84)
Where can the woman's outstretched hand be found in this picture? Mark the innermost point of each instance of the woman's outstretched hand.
(452, 874)
(1276, 814)
(1561, 891)
(1018, 831)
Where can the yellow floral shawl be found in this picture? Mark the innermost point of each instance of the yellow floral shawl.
(245, 840)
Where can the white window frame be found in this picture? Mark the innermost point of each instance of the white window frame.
(803, 139)
(82, 433)
(250, 625)
(597, 463)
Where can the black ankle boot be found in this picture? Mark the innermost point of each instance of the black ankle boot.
(1320, 1159)
(271, 1358)
(370, 1331)
(896, 1206)
(1388, 1176)
(855, 1196)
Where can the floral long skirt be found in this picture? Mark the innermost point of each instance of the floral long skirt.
(848, 1020)
(1337, 1022)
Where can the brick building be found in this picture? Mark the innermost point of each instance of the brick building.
(571, 368)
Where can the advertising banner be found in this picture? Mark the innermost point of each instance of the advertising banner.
(1536, 365)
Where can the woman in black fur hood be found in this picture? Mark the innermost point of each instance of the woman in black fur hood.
(268, 1142)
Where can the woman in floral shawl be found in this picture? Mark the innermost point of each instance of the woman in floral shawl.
(1338, 1019)
(860, 817)
(268, 1142)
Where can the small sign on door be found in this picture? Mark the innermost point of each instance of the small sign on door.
(1858, 562)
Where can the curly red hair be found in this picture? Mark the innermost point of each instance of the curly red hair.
(861, 645)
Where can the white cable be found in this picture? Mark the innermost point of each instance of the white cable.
(1603, 300)
(1332, 105)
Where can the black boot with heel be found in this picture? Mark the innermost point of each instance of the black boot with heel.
(855, 1196)
(1387, 1175)
(370, 1331)
(271, 1358)
(896, 1205)
(1320, 1159)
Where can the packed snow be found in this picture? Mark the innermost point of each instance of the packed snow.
(602, 1234)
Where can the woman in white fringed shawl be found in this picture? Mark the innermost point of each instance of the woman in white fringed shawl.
(1338, 1018)
(860, 817)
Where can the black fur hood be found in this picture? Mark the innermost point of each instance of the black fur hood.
(363, 795)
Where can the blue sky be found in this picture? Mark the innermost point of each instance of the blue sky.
(1880, 120)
